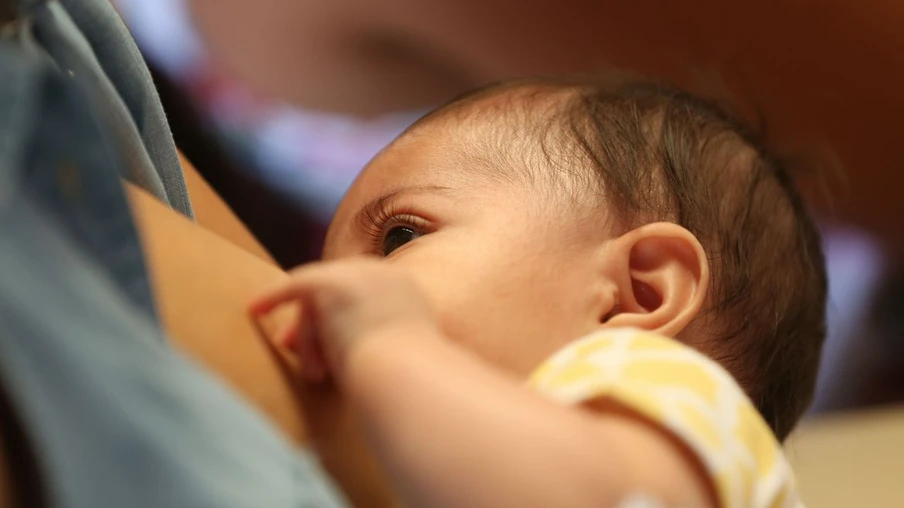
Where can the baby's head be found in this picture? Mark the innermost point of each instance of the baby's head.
(535, 213)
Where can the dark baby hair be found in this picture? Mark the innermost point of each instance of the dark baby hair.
(661, 154)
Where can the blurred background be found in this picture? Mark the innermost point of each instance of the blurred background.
(285, 101)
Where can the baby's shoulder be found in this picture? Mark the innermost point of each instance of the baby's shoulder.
(687, 395)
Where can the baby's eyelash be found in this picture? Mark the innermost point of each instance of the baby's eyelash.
(377, 222)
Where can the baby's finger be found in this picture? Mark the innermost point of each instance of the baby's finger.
(288, 337)
(304, 283)
(275, 297)
(297, 337)
(313, 366)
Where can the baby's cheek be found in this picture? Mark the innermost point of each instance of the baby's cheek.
(472, 319)
(485, 306)
(496, 331)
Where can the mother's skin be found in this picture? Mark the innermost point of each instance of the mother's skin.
(204, 274)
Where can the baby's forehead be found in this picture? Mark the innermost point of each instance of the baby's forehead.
(507, 132)
(516, 106)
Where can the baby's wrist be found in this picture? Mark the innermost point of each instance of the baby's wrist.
(386, 348)
(377, 343)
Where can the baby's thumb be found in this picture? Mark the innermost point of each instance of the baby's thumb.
(314, 367)
(298, 337)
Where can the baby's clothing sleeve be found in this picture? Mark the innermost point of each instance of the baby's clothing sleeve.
(687, 395)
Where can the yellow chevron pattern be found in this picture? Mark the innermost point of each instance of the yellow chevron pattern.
(690, 396)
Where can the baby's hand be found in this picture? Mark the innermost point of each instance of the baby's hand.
(342, 304)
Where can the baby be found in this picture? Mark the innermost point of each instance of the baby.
(631, 251)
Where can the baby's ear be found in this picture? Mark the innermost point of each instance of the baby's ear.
(662, 279)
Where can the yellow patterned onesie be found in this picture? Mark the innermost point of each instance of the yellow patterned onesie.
(688, 395)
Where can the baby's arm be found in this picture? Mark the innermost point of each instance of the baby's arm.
(451, 430)
(454, 432)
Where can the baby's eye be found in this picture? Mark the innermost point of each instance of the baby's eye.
(396, 237)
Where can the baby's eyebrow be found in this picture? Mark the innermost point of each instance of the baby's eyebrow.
(373, 207)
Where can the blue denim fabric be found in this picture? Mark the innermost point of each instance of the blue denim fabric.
(115, 416)
(88, 39)
(42, 124)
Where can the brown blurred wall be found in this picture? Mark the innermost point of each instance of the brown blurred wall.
(827, 72)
